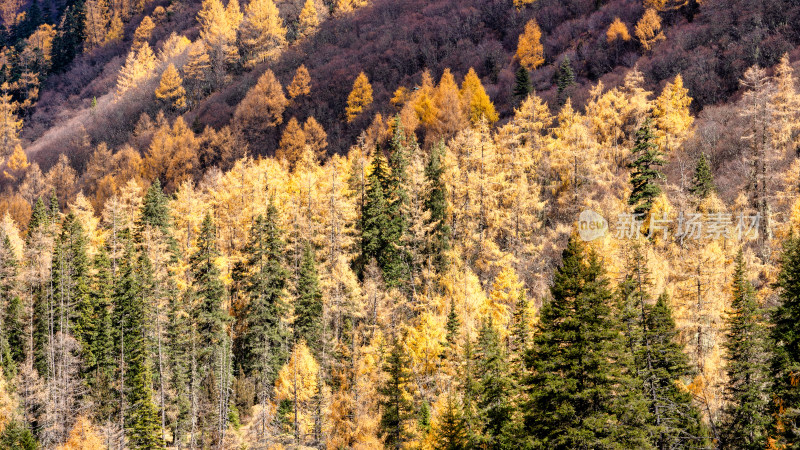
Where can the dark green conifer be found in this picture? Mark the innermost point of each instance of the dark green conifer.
(522, 85)
(746, 417)
(396, 406)
(565, 77)
(644, 170)
(438, 234)
(703, 180)
(308, 307)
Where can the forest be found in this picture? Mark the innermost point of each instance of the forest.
(418, 224)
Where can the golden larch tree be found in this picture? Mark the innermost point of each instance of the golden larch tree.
(301, 83)
(360, 97)
(170, 90)
(308, 20)
(530, 52)
(617, 31)
(293, 142)
(83, 436)
(648, 29)
(95, 22)
(786, 105)
(262, 35)
(263, 105)
(143, 33)
(450, 117)
(10, 125)
(116, 29)
(671, 114)
(138, 66)
(298, 383)
(316, 137)
(476, 101)
(17, 164)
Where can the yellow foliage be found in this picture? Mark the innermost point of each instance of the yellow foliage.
(83, 437)
(617, 31)
(530, 52)
(143, 33)
(308, 20)
(42, 39)
(519, 4)
(360, 97)
(297, 382)
(673, 119)
(139, 66)
(262, 35)
(263, 105)
(95, 23)
(170, 89)
(506, 290)
(301, 83)
(424, 343)
(17, 163)
(8, 404)
(478, 105)
(648, 29)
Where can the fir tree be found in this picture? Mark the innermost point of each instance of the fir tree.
(436, 205)
(522, 84)
(645, 172)
(676, 422)
(451, 433)
(495, 390)
(453, 324)
(209, 291)
(17, 436)
(785, 364)
(575, 388)
(394, 258)
(141, 417)
(396, 406)
(565, 77)
(308, 307)
(746, 417)
(703, 180)
(263, 345)
(68, 42)
(374, 216)
(11, 331)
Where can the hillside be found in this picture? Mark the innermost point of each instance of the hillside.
(402, 224)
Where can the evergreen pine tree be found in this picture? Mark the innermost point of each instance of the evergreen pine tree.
(703, 180)
(746, 416)
(785, 364)
(565, 77)
(453, 324)
(394, 258)
(495, 390)
(436, 206)
(102, 347)
(141, 417)
(676, 422)
(374, 217)
(308, 307)
(209, 292)
(10, 320)
(522, 85)
(68, 42)
(451, 433)
(397, 409)
(262, 347)
(576, 389)
(645, 172)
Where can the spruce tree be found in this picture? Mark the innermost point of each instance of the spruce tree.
(746, 417)
(644, 170)
(565, 77)
(676, 422)
(785, 363)
(453, 324)
(141, 417)
(495, 389)
(374, 216)
(577, 386)
(522, 85)
(209, 292)
(262, 347)
(438, 232)
(397, 409)
(69, 39)
(394, 258)
(308, 307)
(703, 180)
(451, 433)
(11, 331)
